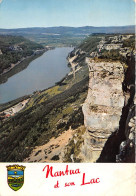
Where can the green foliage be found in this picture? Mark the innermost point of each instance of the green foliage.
(75, 147)
(90, 44)
(129, 42)
(14, 49)
(57, 40)
(110, 54)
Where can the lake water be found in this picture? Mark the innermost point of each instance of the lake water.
(41, 73)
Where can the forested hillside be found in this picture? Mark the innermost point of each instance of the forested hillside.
(14, 49)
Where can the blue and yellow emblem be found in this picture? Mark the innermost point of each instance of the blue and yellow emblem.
(15, 176)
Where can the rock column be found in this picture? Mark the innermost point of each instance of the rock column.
(103, 106)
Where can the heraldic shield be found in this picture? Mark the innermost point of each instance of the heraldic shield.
(15, 176)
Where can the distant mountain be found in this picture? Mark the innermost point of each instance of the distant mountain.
(69, 30)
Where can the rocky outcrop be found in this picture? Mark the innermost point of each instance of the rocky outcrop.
(110, 100)
(103, 107)
(73, 58)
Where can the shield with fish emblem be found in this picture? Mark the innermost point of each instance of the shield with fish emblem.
(15, 176)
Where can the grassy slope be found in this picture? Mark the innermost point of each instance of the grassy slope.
(47, 115)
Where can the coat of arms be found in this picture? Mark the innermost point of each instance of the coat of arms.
(15, 176)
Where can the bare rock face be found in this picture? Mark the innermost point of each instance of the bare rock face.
(103, 107)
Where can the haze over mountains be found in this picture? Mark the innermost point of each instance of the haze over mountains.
(62, 30)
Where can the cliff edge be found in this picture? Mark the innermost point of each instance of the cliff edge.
(103, 106)
(109, 109)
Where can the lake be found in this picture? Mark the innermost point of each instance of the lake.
(41, 73)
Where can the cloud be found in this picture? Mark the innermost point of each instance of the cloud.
(134, 1)
(1, 1)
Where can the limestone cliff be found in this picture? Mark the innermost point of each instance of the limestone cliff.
(109, 110)
(103, 106)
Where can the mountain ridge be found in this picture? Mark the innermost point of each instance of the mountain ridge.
(84, 29)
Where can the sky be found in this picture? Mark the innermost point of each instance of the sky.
(49, 13)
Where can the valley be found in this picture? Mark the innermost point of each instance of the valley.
(60, 124)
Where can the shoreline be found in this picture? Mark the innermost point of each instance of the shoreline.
(20, 66)
(13, 102)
